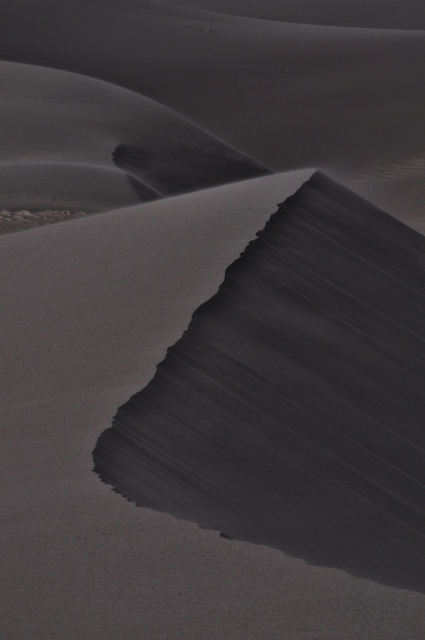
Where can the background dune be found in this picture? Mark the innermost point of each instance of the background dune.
(286, 95)
(378, 14)
(59, 132)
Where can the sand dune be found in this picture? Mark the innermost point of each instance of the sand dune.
(378, 14)
(286, 95)
(88, 310)
(106, 104)
(59, 131)
(291, 411)
(175, 165)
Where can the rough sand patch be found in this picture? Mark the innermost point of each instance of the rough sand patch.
(12, 221)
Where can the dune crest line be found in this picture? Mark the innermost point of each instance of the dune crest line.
(290, 413)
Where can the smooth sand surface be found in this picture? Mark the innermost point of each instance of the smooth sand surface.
(59, 131)
(380, 14)
(86, 303)
(345, 100)
(89, 308)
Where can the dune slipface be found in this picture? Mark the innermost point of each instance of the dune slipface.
(291, 412)
(172, 167)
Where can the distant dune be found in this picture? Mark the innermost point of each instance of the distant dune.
(285, 95)
(290, 413)
(60, 135)
(375, 14)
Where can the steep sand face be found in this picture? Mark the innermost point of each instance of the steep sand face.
(88, 310)
(290, 413)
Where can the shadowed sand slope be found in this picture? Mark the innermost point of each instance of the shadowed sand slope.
(290, 413)
(175, 166)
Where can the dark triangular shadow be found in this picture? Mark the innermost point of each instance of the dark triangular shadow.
(291, 412)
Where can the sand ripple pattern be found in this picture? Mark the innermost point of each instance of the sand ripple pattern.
(290, 413)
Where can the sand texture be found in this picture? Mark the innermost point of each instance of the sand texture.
(378, 14)
(143, 144)
(290, 413)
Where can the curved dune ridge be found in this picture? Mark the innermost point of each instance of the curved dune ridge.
(290, 413)
(372, 14)
(59, 131)
(88, 310)
(286, 95)
(173, 166)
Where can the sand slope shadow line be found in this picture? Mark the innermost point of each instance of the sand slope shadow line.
(290, 413)
(175, 166)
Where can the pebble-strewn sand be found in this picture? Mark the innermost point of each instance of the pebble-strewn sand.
(12, 221)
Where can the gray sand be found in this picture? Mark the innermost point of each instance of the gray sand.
(12, 221)
(88, 307)
(287, 95)
(378, 14)
(290, 413)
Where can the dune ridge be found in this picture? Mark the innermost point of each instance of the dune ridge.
(53, 157)
(112, 108)
(370, 14)
(290, 413)
(256, 85)
(182, 166)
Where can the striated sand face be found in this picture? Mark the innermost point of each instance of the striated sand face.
(290, 413)
(87, 311)
(11, 221)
